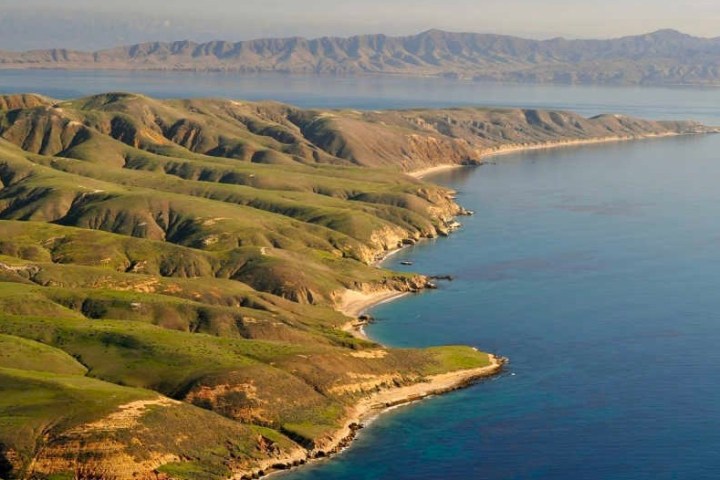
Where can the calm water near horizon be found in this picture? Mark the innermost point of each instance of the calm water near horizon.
(596, 270)
(372, 92)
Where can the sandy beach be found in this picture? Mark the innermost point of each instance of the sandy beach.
(354, 303)
(431, 170)
(524, 147)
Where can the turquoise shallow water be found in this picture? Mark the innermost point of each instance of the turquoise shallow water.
(595, 269)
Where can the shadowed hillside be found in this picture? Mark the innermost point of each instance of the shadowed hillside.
(662, 57)
(171, 273)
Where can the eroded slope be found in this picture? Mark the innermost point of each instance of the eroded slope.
(170, 272)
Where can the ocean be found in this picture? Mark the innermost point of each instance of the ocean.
(594, 269)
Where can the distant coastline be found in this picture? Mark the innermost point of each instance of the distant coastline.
(663, 57)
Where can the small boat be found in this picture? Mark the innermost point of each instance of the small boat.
(406, 262)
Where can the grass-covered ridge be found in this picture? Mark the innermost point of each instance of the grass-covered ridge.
(170, 272)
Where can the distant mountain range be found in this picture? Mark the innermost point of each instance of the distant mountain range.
(664, 57)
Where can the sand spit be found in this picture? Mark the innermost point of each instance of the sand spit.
(525, 147)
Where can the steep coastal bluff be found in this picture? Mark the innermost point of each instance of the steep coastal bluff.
(172, 274)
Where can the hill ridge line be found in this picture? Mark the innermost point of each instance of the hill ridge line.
(202, 250)
(663, 57)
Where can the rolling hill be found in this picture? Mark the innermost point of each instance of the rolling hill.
(171, 273)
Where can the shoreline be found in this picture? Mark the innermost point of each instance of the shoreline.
(355, 303)
(424, 172)
(371, 407)
(528, 147)
(519, 148)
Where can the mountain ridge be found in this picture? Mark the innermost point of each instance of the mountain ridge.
(662, 57)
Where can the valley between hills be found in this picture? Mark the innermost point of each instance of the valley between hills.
(173, 272)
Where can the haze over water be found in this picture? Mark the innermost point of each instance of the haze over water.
(594, 269)
(372, 92)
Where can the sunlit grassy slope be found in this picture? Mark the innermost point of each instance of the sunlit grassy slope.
(169, 272)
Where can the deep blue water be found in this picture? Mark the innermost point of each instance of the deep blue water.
(596, 270)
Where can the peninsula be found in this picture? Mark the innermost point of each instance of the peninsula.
(173, 274)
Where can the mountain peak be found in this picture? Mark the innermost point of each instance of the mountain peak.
(665, 56)
(667, 34)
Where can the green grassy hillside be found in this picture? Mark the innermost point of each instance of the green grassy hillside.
(170, 273)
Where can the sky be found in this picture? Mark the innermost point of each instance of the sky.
(95, 24)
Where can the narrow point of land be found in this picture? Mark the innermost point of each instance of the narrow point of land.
(527, 147)
(379, 402)
(436, 384)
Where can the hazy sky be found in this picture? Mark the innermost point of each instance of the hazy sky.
(91, 24)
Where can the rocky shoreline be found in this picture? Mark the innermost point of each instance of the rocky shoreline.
(354, 303)
(372, 406)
